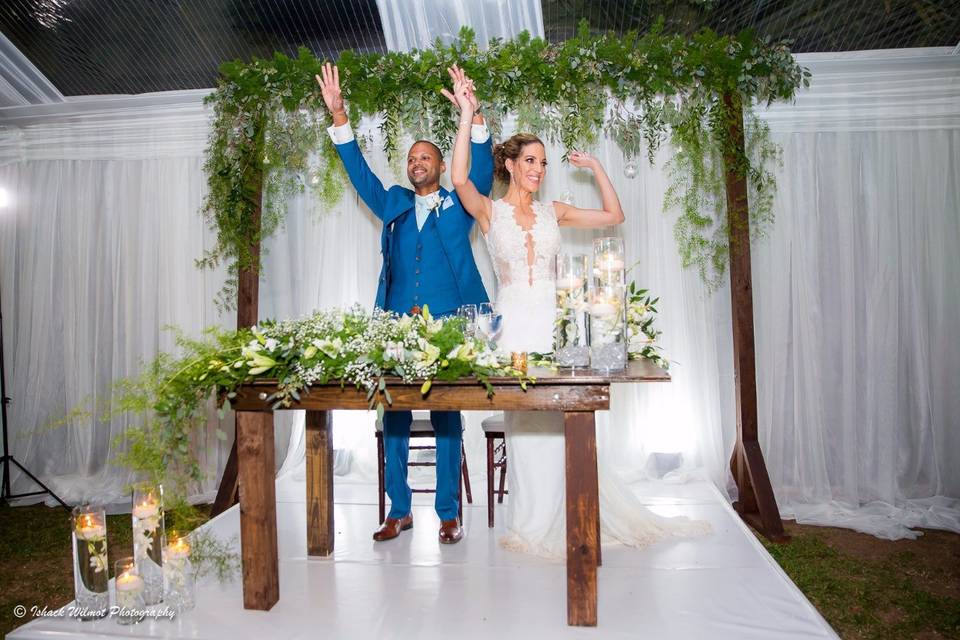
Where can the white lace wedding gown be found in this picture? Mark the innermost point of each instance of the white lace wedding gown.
(535, 446)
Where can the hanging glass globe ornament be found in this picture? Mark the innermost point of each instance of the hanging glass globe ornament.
(566, 197)
(630, 170)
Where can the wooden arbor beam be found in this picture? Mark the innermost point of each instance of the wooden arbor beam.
(248, 310)
(756, 504)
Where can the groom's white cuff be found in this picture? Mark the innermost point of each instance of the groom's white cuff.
(479, 133)
(344, 133)
(341, 134)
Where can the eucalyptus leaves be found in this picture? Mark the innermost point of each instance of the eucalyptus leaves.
(639, 90)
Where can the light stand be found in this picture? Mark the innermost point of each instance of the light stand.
(6, 494)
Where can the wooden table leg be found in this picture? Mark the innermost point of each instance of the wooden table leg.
(258, 510)
(583, 500)
(319, 483)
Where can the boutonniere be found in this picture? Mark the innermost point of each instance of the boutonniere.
(433, 203)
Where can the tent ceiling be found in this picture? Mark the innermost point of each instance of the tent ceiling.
(88, 47)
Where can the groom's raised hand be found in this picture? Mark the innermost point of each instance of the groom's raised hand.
(332, 96)
(460, 79)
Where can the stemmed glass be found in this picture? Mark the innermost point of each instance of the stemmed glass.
(490, 322)
(469, 313)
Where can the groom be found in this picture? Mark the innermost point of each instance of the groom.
(427, 261)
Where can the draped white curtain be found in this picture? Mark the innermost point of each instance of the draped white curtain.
(416, 24)
(855, 293)
(856, 296)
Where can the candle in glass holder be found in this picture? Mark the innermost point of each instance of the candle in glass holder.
(178, 549)
(149, 538)
(130, 589)
(602, 309)
(90, 576)
(609, 262)
(570, 326)
(178, 574)
(608, 344)
(569, 282)
(519, 361)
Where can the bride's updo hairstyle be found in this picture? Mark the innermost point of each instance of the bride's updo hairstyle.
(511, 149)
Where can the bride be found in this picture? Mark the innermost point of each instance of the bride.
(523, 237)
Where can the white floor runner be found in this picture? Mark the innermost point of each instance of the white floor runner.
(721, 586)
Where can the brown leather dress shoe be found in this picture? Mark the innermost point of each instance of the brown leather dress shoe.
(450, 531)
(392, 527)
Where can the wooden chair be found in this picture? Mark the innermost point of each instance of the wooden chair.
(420, 428)
(493, 430)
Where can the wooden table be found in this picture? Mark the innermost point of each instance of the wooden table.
(578, 394)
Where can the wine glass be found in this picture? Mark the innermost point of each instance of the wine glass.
(469, 313)
(490, 322)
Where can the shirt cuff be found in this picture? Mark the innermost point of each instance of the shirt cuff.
(479, 133)
(343, 133)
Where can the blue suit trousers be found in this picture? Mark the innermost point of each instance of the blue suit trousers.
(448, 429)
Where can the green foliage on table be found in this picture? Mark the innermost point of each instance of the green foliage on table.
(176, 396)
(641, 334)
(641, 90)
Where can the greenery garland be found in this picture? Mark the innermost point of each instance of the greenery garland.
(641, 90)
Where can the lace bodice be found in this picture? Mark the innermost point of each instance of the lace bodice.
(509, 244)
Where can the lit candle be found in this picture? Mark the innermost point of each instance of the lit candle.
(569, 282)
(146, 509)
(89, 529)
(609, 262)
(129, 582)
(178, 549)
(602, 309)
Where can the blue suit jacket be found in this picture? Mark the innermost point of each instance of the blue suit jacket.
(454, 222)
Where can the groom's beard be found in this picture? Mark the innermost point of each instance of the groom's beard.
(426, 179)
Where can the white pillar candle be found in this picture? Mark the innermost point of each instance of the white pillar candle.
(146, 510)
(90, 529)
(602, 309)
(129, 582)
(569, 282)
(178, 550)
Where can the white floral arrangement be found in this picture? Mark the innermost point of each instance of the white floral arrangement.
(359, 348)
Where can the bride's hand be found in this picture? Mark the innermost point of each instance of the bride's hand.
(582, 160)
(463, 91)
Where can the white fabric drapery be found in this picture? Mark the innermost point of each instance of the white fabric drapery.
(856, 295)
(855, 292)
(416, 24)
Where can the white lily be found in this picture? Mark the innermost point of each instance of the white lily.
(394, 351)
(330, 348)
(428, 353)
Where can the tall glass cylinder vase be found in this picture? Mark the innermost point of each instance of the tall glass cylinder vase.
(570, 346)
(608, 320)
(609, 265)
(149, 539)
(608, 343)
(90, 575)
(178, 574)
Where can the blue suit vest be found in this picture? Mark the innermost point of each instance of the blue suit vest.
(420, 273)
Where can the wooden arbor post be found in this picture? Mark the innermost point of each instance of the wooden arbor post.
(757, 504)
(248, 301)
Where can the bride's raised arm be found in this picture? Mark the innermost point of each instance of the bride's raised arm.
(474, 202)
(610, 214)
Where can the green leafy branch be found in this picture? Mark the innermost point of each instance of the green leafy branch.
(268, 140)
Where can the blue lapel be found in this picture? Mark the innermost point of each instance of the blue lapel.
(399, 205)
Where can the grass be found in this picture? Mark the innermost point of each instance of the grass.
(895, 595)
(864, 587)
(35, 558)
